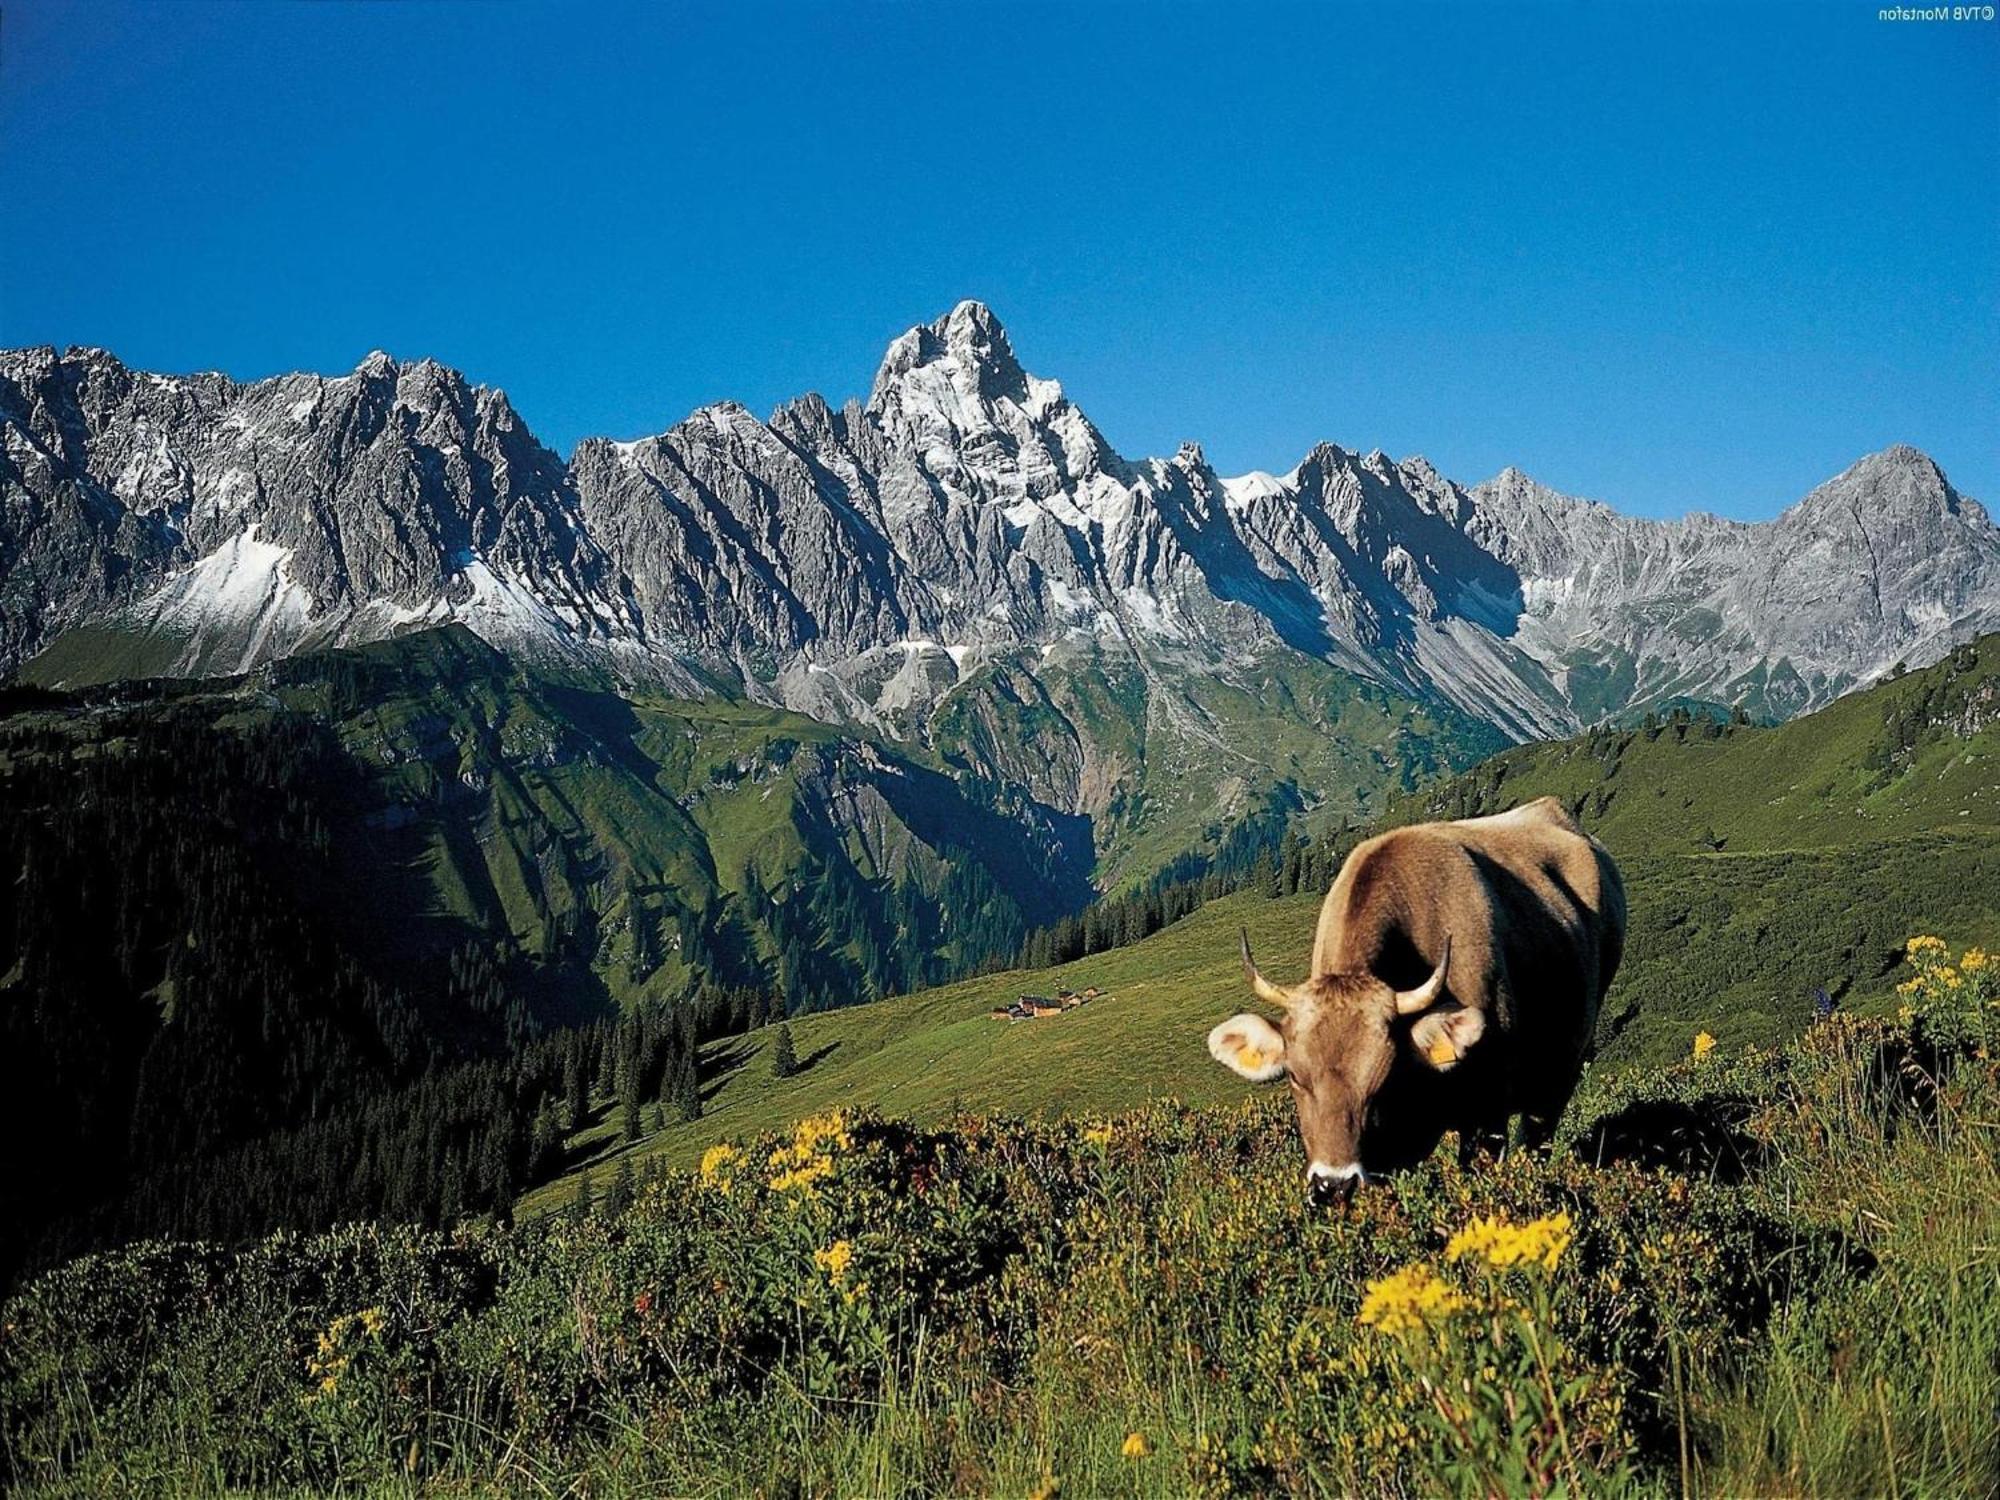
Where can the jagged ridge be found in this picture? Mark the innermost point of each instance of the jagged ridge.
(859, 564)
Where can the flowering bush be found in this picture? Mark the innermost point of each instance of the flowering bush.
(1497, 1403)
(1947, 1003)
(346, 1337)
(1130, 1305)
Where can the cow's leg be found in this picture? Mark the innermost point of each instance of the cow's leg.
(1539, 1121)
(1533, 1131)
(1481, 1138)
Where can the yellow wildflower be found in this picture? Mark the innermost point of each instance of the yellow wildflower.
(1410, 1298)
(1703, 1045)
(1503, 1244)
(1098, 1136)
(332, 1357)
(834, 1259)
(804, 1176)
(828, 1130)
(716, 1165)
(1924, 943)
(1135, 1445)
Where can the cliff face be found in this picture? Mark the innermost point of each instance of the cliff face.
(863, 564)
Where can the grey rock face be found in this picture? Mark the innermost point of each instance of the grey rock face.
(856, 564)
(1883, 563)
(245, 522)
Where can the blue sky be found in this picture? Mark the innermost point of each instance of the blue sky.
(1673, 257)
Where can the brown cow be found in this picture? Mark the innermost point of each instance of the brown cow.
(1480, 950)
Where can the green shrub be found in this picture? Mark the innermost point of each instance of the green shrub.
(1127, 1306)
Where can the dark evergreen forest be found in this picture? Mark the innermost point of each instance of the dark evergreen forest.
(211, 1025)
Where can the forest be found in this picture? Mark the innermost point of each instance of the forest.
(217, 1012)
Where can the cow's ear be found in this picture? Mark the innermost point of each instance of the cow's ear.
(1444, 1036)
(1249, 1045)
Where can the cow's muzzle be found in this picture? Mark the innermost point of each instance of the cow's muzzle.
(1331, 1187)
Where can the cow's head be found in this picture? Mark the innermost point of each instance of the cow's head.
(1338, 1039)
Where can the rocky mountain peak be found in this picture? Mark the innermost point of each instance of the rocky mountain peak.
(1899, 478)
(1325, 458)
(967, 346)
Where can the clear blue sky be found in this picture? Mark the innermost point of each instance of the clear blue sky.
(1674, 257)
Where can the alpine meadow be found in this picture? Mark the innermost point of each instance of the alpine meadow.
(884, 944)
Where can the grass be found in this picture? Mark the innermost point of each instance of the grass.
(1732, 943)
(1891, 1386)
(1761, 864)
(1765, 1272)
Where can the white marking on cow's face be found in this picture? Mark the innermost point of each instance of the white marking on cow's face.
(1320, 1169)
(1325, 1182)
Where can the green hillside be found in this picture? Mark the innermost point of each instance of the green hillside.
(234, 909)
(607, 851)
(1164, 760)
(1154, 758)
(339, 877)
(1919, 753)
(1876, 818)
(1747, 1273)
(609, 848)
(648, 844)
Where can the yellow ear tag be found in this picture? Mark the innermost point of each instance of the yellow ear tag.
(1249, 1057)
(1441, 1052)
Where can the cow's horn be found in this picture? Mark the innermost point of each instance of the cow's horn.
(1266, 991)
(1424, 996)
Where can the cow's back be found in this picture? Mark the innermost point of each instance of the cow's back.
(1563, 908)
(1533, 906)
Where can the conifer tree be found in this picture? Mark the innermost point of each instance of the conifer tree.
(620, 1197)
(577, 1079)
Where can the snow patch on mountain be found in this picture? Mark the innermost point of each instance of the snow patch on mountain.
(233, 608)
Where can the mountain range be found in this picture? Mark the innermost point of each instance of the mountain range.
(962, 562)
